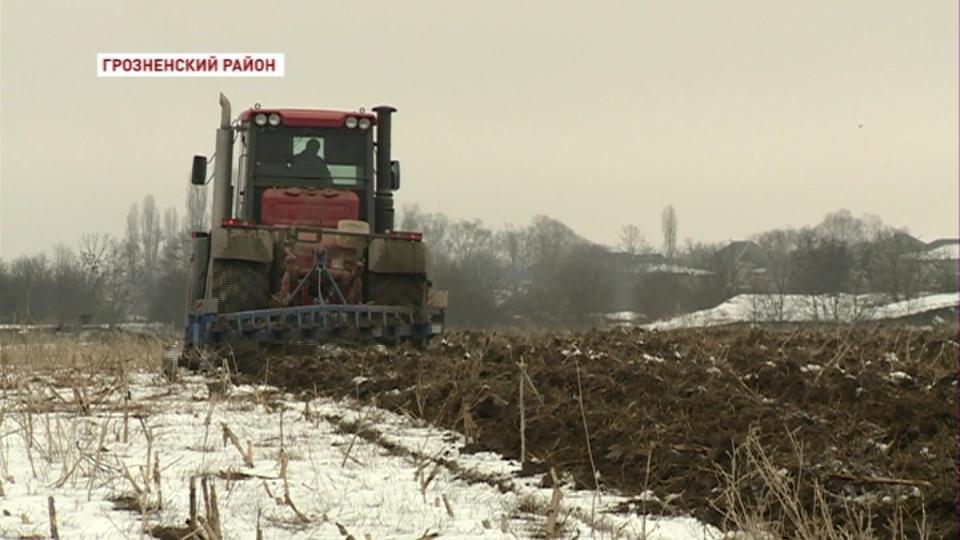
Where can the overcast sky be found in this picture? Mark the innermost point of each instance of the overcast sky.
(745, 115)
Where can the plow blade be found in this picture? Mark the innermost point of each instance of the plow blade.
(310, 325)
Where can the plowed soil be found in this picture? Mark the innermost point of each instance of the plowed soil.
(869, 414)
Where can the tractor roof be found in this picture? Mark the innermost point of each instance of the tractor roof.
(309, 117)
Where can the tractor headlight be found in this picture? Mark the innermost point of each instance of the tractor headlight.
(351, 122)
(260, 119)
(274, 119)
(364, 123)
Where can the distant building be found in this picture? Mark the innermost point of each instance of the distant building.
(743, 252)
(910, 243)
(939, 263)
(943, 249)
(742, 265)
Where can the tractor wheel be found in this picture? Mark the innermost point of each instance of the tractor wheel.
(241, 285)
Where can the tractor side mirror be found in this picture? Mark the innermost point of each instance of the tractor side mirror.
(394, 175)
(198, 176)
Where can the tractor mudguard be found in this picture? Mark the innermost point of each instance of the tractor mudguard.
(389, 256)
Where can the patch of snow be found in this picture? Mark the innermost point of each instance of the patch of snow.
(388, 485)
(756, 308)
(899, 376)
(651, 358)
(916, 305)
(622, 316)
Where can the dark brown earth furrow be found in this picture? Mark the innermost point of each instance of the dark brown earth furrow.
(866, 404)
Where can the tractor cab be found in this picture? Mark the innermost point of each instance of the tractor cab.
(311, 151)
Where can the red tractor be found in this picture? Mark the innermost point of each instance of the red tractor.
(302, 246)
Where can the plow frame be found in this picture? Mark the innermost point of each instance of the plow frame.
(310, 324)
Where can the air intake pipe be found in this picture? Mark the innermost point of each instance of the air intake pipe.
(222, 170)
(383, 199)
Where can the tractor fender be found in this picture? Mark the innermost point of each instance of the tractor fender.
(389, 256)
(242, 244)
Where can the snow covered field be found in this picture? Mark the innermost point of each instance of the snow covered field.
(115, 467)
(747, 308)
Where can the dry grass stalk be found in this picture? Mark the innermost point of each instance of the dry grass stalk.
(554, 508)
(80, 399)
(586, 433)
(81, 454)
(447, 506)
(192, 522)
(215, 511)
(346, 452)
(842, 350)
(426, 480)
(133, 483)
(156, 480)
(356, 434)
(284, 460)
(418, 388)
(98, 458)
(52, 512)
(247, 454)
(307, 414)
(344, 532)
(778, 509)
(470, 428)
(266, 487)
(125, 388)
(536, 393)
(211, 521)
(881, 480)
(523, 417)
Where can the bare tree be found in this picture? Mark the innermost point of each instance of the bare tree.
(513, 246)
(668, 220)
(632, 240)
(433, 226)
(30, 277)
(131, 241)
(132, 263)
(551, 240)
(889, 266)
(94, 251)
(778, 246)
(842, 226)
(103, 259)
(150, 234)
(467, 238)
(822, 266)
(171, 225)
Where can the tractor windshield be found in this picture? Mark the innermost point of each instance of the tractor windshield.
(327, 156)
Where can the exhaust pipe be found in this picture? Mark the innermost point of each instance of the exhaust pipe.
(383, 199)
(222, 170)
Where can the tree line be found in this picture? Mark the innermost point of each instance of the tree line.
(545, 274)
(541, 274)
(140, 276)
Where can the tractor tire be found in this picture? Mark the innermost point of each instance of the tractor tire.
(241, 285)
